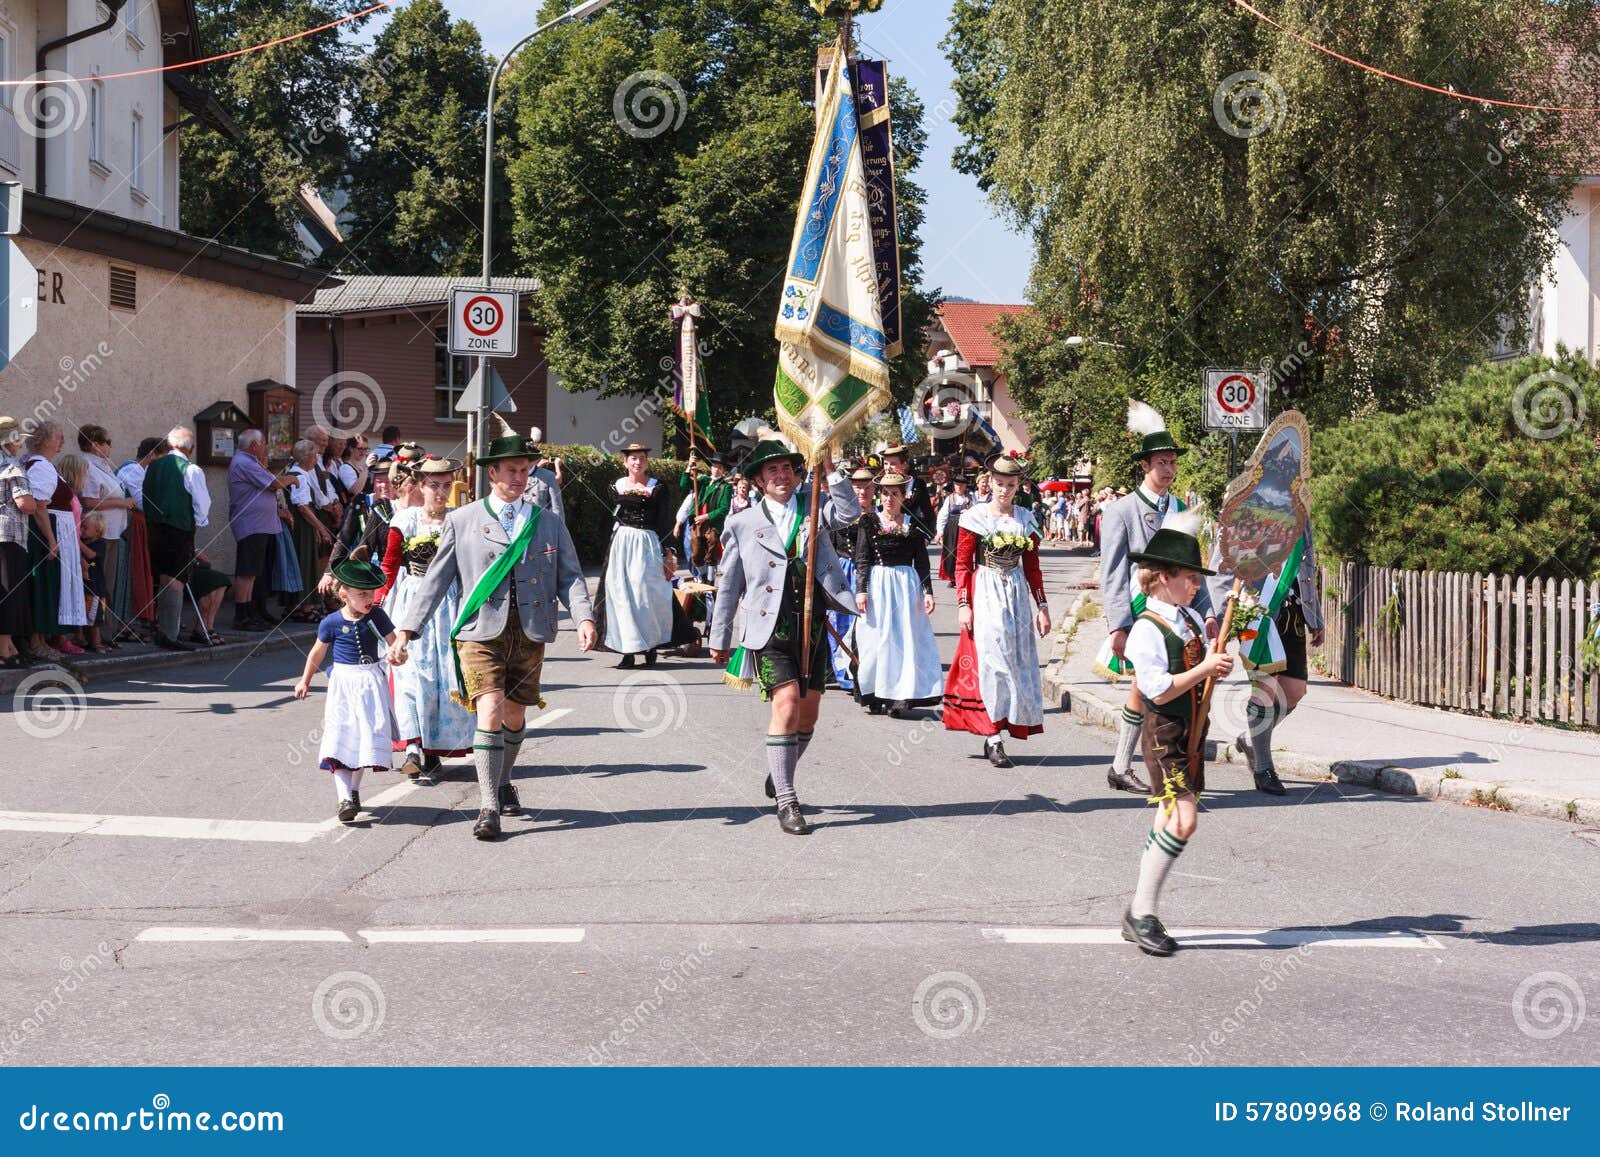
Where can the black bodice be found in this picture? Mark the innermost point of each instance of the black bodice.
(636, 510)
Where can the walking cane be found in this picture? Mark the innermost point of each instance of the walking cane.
(1197, 730)
(199, 619)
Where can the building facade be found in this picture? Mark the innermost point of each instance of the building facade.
(964, 331)
(140, 325)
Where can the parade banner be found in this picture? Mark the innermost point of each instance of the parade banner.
(688, 380)
(1261, 533)
(832, 364)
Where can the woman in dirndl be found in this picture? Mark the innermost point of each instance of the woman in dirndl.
(899, 666)
(358, 718)
(949, 526)
(633, 612)
(994, 682)
(431, 724)
(843, 647)
(310, 499)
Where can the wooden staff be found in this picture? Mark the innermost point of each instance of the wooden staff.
(819, 483)
(1197, 728)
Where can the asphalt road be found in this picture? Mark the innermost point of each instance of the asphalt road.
(651, 912)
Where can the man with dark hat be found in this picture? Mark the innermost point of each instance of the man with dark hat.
(764, 551)
(516, 562)
(1126, 528)
(919, 501)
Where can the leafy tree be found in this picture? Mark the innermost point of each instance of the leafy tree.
(416, 178)
(289, 104)
(1369, 238)
(665, 143)
(1498, 474)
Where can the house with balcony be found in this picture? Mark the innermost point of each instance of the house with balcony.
(961, 338)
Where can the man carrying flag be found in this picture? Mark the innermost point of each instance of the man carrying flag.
(515, 561)
(833, 373)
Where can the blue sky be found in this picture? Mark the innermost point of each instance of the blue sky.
(967, 250)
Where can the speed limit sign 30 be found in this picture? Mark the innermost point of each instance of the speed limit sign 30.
(1235, 400)
(483, 322)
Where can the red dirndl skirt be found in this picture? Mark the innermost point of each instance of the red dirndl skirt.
(963, 700)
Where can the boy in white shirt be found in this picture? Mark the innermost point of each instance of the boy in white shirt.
(1167, 647)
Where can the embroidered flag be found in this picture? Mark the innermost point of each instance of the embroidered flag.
(833, 370)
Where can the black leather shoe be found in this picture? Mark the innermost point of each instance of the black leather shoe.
(432, 765)
(791, 821)
(626, 663)
(510, 805)
(1127, 781)
(348, 809)
(412, 765)
(167, 643)
(650, 658)
(1267, 781)
(997, 754)
(772, 792)
(1148, 934)
(250, 623)
(488, 825)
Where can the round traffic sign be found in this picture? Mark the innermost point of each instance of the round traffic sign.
(481, 315)
(1236, 393)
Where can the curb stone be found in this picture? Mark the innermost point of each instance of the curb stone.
(1092, 710)
(102, 670)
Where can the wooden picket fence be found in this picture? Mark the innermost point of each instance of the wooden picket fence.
(1493, 644)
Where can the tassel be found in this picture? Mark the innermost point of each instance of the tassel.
(740, 673)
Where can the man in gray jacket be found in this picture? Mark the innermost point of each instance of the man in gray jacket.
(516, 562)
(762, 579)
(1126, 527)
(1275, 693)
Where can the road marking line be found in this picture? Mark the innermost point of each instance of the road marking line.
(1224, 937)
(229, 935)
(472, 935)
(161, 827)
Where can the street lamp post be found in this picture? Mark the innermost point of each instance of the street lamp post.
(479, 438)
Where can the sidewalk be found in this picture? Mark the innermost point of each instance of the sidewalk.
(1342, 733)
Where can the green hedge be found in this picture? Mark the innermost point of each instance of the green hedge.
(587, 477)
(1498, 475)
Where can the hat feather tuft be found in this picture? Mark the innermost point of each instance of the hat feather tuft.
(1143, 419)
(1187, 521)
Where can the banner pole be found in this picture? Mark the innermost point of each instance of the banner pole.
(819, 483)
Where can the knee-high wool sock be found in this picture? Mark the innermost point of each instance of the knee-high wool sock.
(486, 755)
(169, 611)
(1161, 851)
(511, 740)
(802, 741)
(1261, 719)
(1127, 740)
(782, 753)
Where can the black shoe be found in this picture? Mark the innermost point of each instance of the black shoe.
(1267, 781)
(650, 658)
(874, 708)
(997, 754)
(627, 662)
(510, 805)
(1148, 934)
(167, 643)
(488, 825)
(772, 792)
(250, 623)
(899, 711)
(348, 809)
(791, 821)
(1242, 745)
(1127, 781)
(433, 766)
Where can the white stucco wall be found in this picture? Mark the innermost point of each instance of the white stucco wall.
(1567, 301)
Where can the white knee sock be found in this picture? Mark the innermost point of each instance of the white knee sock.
(1161, 851)
(355, 779)
(1128, 729)
(341, 779)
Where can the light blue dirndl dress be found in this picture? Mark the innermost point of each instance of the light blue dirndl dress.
(423, 708)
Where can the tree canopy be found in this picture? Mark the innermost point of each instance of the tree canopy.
(1203, 190)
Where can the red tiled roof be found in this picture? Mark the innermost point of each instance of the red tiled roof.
(970, 326)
